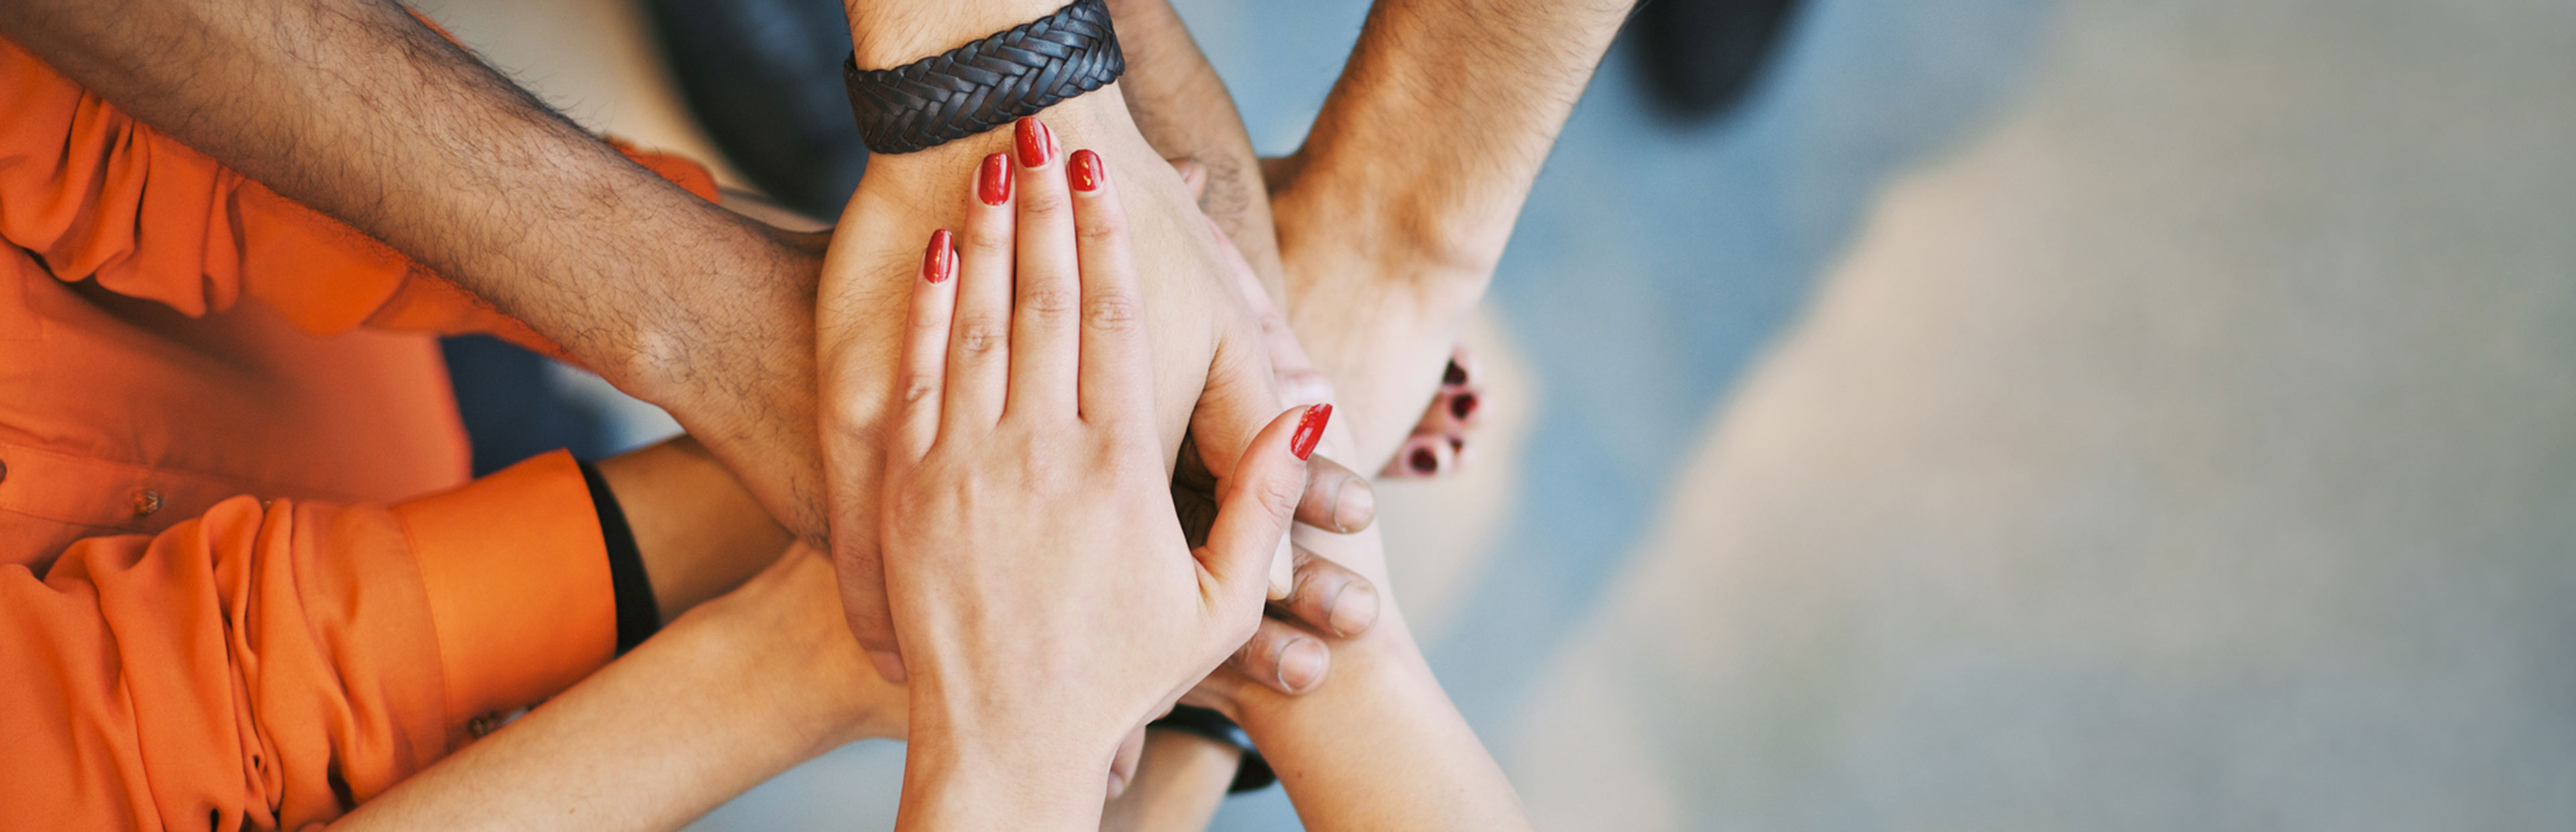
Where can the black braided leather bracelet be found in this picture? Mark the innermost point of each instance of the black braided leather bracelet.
(1252, 774)
(986, 84)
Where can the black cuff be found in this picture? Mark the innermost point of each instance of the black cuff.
(1253, 774)
(638, 615)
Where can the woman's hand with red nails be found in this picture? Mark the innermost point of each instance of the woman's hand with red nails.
(1044, 597)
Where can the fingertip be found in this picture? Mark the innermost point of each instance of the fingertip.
(1086, 173)
(993, 180)
(889, 665)
(1310, 430)
(1354, 505)
(1352, 610)
(1302, 664)
(1193, 176)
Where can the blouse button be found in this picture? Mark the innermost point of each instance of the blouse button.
(146, 502)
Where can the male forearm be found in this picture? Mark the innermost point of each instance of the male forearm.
(359, 110)
(1441, 119)
(1408, 185)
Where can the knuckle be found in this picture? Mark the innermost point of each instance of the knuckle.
(918, 386)
(981, 335)
(1100, 228)
(989, 243)
(1049, 300)
(1112, 313)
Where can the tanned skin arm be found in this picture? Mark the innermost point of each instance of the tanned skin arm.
(1183, 109)
(1408, 185)
(728, 695)
(363, 112)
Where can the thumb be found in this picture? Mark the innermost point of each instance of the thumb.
(1239, 389)
(1252, 516)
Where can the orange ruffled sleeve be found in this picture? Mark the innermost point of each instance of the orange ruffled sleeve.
(96, 195)
(272, 664)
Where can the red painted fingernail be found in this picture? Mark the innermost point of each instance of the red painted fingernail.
(1462, 406)
(1424, 461)
(1455, 375)
(1310, 430)
(1086, 172)
(993, 183)
(941, 260)
(1037, 143)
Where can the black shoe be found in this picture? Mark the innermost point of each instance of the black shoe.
(764, 79)
(1700, 56)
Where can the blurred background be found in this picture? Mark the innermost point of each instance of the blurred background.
(2009, 414)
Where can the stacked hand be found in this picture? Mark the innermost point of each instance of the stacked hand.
(1209, 370)
(1043, 594)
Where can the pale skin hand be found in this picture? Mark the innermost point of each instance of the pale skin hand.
(1045, 596)
(1210, 372)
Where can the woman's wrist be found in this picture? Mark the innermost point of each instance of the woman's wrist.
(963, 771)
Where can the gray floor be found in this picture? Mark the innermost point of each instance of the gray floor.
(2081, 415)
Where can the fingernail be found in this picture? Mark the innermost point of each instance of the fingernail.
(1462, 406)
(1086, 172)
(1455, 375)
(889, 665)
(1421, 455)
(1352, 610)
(941, 260)
(993, 183)
(1300, 664)
(1037, 143)
(1354, 506)
(1310, 430)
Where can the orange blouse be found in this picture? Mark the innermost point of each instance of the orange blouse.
(172, 337)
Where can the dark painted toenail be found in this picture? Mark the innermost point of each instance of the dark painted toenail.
(1462, 405)
(1424, 461)
(1455, 375)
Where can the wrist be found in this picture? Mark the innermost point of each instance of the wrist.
(886, 34)
(960, 775)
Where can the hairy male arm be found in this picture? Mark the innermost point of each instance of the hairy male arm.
(1408, 185)
(359, 109)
